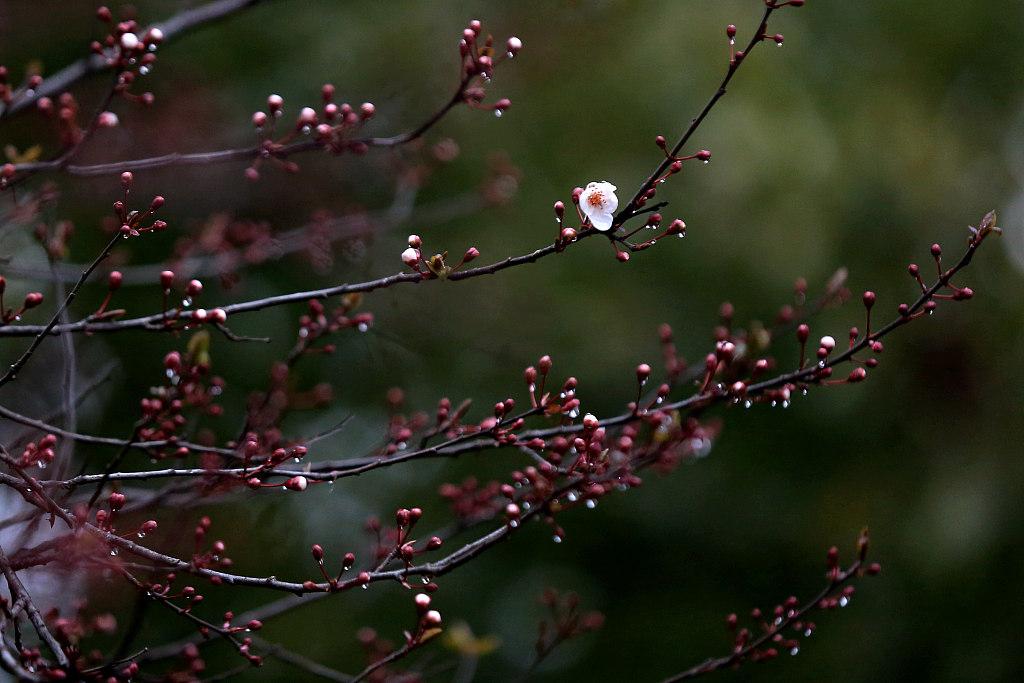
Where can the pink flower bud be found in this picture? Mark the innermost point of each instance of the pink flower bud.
(411, 257)
(129, 41)
(298, 483)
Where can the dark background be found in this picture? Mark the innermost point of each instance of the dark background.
(877, 129)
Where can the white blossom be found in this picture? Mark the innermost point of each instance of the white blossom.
(599, 203)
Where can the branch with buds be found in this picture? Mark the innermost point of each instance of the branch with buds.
(557, 458)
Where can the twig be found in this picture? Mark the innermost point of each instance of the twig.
(172, 28)
(18, 592)
(725, 661)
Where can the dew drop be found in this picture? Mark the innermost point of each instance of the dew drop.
(306, 130)
(785, 404)
(41, 464)
(748, 403)
(497, 113)
(366, 586)
(513, 523)
(795, 651)
(591, 503)
(572, 497)
(707, 161)
(807, 633)
(113, 552)
(844, 601)
(362, 327)
(141, 534)
(556, 539)
(144, 70)
(187, 301)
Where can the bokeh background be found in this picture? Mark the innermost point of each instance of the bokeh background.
(877, 129)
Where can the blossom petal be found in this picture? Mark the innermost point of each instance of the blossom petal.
(601, 221)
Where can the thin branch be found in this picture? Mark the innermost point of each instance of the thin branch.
(48, 329)
(18, 592)
(738, 656)
(172, 28)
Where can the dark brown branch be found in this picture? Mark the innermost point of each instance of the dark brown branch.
(740, 655)
(18, 592)
(172, 28)
(630, 209)
(48, 329)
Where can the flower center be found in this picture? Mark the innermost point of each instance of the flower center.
(596, 199)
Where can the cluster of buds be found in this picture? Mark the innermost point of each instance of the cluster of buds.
(39, 454)
(193, 289)
(72, 629)
(333, 127)
(782, 628)
(319, 323)
(266, 408)
(564, 622)
(129, 50)
(435, 266)
(336, 125)
(8, 91)
(348, 560)
(471, 500)
(105, 517)
(404, 546)
(428, 622)
(9, 315)
(211, 557)
(251, 449)
(188, 386)
(114, 280)
(737, 56)
(132, 220)
(479, 59)
(54, 239)
(401, 427)
(64, 116)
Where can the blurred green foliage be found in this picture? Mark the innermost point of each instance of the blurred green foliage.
(877, 129)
